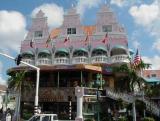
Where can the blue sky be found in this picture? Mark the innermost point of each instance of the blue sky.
(141, 19)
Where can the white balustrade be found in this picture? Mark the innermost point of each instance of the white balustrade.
(100, 59)
(61, 61)
(80, 60)
(44, 61)
(119, 59)
(29, 61)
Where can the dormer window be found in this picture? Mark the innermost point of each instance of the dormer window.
(107, 28)
(71, 30)
(38, 34)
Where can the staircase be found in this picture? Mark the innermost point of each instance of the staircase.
(130, 98)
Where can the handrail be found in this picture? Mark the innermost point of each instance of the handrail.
(130, 98)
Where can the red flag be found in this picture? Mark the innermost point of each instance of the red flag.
(49, 40)
(31, 43)
(87, 39)
(66, 39)
(105, 39)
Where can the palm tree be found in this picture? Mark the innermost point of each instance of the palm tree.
(129, 76)
(16, 82)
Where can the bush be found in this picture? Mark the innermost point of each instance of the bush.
(123, 118)
(148, 119)
(88, 119)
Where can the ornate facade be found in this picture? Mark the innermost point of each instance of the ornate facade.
(72, 55)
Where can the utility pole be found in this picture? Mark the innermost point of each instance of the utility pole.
(37, 80)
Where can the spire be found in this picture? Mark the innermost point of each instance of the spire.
(40, 14)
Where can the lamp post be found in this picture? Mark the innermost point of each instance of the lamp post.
(6, 99)
(98, 84)
(37, 80)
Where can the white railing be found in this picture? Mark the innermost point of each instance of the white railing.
(44, 61)
(119, 59)
(29, 61)
(80, 60)
(61, 61)
(100, 59)
(150, 106)
(116, 95)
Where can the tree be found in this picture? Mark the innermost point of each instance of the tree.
(128, 76)
(17, 83)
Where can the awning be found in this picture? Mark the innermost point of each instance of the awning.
(152, 80)
(119, 47)
(100, 48)
(45, 51)
(89, 67)
(81, 49)
(27, 53)
(62, 50)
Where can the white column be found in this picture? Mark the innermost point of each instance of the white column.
(70, 110)
(134, 111)
(79, 106)
(79, 93)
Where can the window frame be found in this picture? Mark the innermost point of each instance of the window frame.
(71, 30)
(107, 28)
(38, 34)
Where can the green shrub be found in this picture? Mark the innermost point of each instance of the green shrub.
(148, 119)
(123, 118)
(88, 119)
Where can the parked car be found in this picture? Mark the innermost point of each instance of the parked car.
(44, 117)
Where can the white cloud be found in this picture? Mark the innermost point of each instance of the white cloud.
(145, 14)
(125, 3)
(53, 12)
(1, 66)
(119, 3)
(156, 45)
(12, 30)
(83, 5)
(153, 60)
(2, 81)
(148, 16)
(136, 44)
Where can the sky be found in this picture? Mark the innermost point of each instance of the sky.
(141, 19)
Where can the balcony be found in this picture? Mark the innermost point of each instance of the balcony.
(61, 61)
(29, 61)
(50, 94)
(100, 59)
(119, 59)
(80, 60)
(44, 61)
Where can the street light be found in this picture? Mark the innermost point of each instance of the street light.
(98, 84)
(6, 99)
(38, 75)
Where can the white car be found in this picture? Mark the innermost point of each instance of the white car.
(44, 117)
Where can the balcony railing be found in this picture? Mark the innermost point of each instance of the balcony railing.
(61, 61)
(50, 94)
(100, 59)
(119, 59)
(29, 61)
(44, 61)
(80, 60)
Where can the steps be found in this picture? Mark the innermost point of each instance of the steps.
(130, 98)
